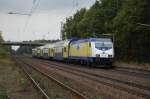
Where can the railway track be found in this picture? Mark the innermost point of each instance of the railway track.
(45, 96)
(122, 70)
(133, 88)
(77, 94)
(134, 71)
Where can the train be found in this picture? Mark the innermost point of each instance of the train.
(89, 51)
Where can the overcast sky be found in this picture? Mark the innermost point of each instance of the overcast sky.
(44, 21)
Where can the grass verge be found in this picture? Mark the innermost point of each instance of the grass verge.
(132, 64)
(11, 84)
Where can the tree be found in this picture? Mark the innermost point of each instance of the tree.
(3, 50)
(1, 38)
(70, 27)
(93, 22)
(123, 18)
(132, 39)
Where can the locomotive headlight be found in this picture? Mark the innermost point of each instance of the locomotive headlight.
(109, 56)
(97, 55)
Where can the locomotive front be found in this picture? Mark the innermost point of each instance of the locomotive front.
(103, 50)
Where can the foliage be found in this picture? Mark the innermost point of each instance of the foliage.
(122, 18)
(92, 22)
(25, 50)
(3, 49)
(70, 27)
(3, 94)
(133, 39)
(3, 53)
(1, 38)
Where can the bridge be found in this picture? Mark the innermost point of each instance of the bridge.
(22, 43)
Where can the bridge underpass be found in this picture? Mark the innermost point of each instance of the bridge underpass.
(25, 46)
(22, 44)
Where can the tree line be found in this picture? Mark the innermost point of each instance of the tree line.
(127, 20)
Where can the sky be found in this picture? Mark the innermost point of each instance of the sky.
(36, 19)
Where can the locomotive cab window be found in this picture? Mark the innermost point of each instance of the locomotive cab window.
(103, 45)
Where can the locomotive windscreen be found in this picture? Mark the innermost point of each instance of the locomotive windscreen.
(104, 40)
(103, 45)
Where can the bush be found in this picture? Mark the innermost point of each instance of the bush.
(3, 53)
(3, 94)
(24, 84)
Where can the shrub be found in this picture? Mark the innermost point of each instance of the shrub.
(24, 84)
(3, 94)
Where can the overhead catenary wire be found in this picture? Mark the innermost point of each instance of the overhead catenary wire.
(36, 4)
(33, 8)
(74, 7)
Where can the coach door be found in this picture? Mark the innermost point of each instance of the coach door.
(65, 53)
(89, 49)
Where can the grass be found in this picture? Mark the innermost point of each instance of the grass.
(24, 84)
(3, 93)
(3, 53)
(132, 64)
(13, 81)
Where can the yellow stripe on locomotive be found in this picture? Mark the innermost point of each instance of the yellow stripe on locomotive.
(80, 49)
